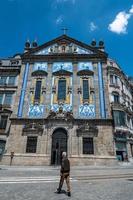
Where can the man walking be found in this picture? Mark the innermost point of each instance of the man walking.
(64, 174)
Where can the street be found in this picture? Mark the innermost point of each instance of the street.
(87, 183)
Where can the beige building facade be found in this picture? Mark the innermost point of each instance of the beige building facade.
(57, 97)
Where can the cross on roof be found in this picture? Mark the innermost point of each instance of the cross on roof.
(64, 30)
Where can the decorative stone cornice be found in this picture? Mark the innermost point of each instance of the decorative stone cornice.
(5, 109)
(87, 130)
(64, 57)
(117, 71)
(32, 128)
(121, 106)
(60, 115)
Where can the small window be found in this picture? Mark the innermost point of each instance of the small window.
(116, 98)
(3, 121)
(116, 80)
(61, 89)
(119, 118)
(12, 80)
(85, 89)
(2, 146)
(8, 99)
(3, 80)
(128, 121)
(111, 79)
(31, 145)
(1, 98)
(88, 147)
(132, 123)
(38, 89)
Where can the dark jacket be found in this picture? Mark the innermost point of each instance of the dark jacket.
(65, 165)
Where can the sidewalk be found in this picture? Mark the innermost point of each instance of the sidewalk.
(76, 171)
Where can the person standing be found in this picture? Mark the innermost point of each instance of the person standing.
(64, 174)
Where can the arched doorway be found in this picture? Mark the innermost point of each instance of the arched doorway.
(59, 144)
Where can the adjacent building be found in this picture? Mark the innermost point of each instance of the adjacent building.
(64, 95)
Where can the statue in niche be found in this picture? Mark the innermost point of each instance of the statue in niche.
(63, 49)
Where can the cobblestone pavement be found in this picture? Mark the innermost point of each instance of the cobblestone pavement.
(37, 183)
(95, 190)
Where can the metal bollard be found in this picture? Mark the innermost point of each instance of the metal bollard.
(11, 157)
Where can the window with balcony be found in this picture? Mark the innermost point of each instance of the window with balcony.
(8, 80)
(3, 80)
(3, 121)
(31, 144)
(88, 146)
(12, 80)
(6, 98)
(119, 118)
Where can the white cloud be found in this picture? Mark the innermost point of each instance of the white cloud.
(131, 10)
(59, 20)
(119, 25)
(92, 26)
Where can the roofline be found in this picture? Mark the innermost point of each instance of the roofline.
(84, 45)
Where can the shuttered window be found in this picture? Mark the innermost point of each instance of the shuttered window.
(61, 89)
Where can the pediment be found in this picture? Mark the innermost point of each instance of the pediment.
(63, 48)
(64, 45)
(62, 68)
(85, 68)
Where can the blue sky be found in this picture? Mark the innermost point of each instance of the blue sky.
(110, 20)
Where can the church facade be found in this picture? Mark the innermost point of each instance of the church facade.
(64, 96)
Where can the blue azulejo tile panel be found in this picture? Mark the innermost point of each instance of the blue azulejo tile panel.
(43, 51)
(36, 111)
(87, 111)
(85, 66)
(67, 66)
(40, 66)
(66, 107)
(101, 91)
(23, 90)
(80, 50)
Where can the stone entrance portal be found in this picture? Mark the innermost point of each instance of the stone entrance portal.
(59, 144)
